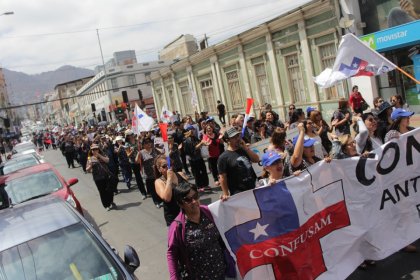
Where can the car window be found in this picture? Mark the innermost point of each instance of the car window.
(23, 147)
(19, 164)
(69, 253)
(34, 185)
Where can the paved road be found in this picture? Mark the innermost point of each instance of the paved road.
(140, 224)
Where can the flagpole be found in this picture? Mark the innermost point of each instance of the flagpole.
(408, 75)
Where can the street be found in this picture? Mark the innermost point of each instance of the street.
(140, 224)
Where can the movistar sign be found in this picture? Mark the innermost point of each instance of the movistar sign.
(395, 37)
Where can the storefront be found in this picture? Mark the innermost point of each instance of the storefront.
(393, 31)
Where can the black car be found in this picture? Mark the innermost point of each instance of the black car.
(47, 239)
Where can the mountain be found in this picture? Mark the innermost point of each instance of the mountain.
(22, 87)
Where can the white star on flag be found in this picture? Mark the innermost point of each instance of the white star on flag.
(259, 230)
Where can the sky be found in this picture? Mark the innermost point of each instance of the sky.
(43, 35)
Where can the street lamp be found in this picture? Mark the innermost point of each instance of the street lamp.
(7, 13)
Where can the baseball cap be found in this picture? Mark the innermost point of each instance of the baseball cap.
(231, 132)
(310, 109)
(400, 113)
(189, 127)
(209, 119)
(308, 142)
(269, 158)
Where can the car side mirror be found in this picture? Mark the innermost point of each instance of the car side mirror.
(131, 259)
(72, 181)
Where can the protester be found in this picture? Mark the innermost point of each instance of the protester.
(400, 124)
(297, 117)
(384, 119)
(273, 168)
(278, 142)
(368, 138)
(292, 109)
(214, 142)
(248, 130)
(178, 138)
(174, 154)
(304, 152)
(234, 165)
(342, 118)
(221, 110)
(166, 181)
(260, 132)
(123, 161)
(132, 149)
(397, 101)
(67, 147)
(148, 155)
(320, 152)
(195, 247)
(356, 101)
(192, 146)
(271, 122)
(321, 128)
(97, 164)
(377, 101)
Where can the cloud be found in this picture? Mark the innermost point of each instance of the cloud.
(43, 35)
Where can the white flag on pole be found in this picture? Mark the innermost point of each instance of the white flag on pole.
(143, 121)
(166, 115)
(354, 58)
(194, 98)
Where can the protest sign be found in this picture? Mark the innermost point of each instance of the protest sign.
(325, 222)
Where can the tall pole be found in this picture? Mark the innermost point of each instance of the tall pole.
(105, 74)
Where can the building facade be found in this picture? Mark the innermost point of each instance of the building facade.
(273, 63)
(107, 92)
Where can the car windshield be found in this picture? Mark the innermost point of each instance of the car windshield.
(32, 186)
(70, 253)
(10, 167)
(23, 147)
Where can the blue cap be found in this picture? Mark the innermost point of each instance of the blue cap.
(310, 109)
(209, 119)
(308, 142)
(189, 127)
(269, 158)
(400, 113)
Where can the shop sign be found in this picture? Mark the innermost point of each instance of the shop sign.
(395, 37)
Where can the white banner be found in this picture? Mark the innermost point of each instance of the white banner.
(325, 222)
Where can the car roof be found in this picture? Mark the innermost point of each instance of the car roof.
(33, 219)
(19, 157)
(27, 171)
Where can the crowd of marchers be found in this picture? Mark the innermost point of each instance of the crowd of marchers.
(175, 178)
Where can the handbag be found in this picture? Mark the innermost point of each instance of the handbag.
(364, 106)
(112, 180)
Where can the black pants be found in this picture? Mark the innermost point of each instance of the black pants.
(213, 168)
(184, 162)
(150, 185)
(139, 180)
(222, 118)
(199, 171)
(107, 196)
(70, 159)
(83, 161)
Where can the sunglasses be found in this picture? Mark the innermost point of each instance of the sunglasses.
(371, 119)
(96, 149)
(164, 166)
(292, 108)
(189, 199)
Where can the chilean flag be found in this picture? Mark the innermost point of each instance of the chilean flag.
(275, 232)
(354, 58)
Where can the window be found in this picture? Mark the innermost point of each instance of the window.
(234, 89)
(114, 84)
(131, 80)
(327, 54)
(262, 83)
(295, 78)
(186, 97)
(208, 96)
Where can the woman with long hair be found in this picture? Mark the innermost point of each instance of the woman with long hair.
(368, 138)
(272, 163)
(166, 181)
(97, 164)
(260, 132)
(321, 128)
(215, 144)
(341, 119)
(310, 133)
(400, 125)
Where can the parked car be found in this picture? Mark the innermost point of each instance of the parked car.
(47, 239)
(36, 181)
(18, 148)
(20, 162)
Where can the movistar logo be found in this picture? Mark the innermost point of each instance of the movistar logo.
(369, 40)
